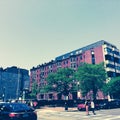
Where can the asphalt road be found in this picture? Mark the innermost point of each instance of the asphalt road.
(74, 114)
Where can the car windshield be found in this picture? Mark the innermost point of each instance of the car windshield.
(19, 107)
(81, 102)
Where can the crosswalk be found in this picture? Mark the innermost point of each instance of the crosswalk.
(81, 115)
(77, 116)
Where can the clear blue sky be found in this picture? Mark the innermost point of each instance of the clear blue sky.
(33, 32)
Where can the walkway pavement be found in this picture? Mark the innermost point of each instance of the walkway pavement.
(59, 108)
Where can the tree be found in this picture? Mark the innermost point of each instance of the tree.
(35, 90)
(92, 77)
(113, 87)
(61, 81)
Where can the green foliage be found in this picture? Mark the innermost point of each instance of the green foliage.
(35, 90)
(91, 77)
(113, 87)
(61, 81)
(105, 89)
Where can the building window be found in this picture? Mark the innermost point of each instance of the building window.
(72, 59)
(42, 96)
(50, 96)
(73, 65)
(80, 57)
(93, 57)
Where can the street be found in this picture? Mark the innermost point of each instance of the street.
(48, 114)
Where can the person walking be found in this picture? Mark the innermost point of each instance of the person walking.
(93, 107)
(87, 107)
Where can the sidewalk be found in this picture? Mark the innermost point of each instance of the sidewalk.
(59, 108)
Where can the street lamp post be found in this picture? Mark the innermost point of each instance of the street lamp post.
(23, 95)
(78, 90)
(3, 96)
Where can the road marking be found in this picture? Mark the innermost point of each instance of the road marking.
(80, 115)
(113, 118)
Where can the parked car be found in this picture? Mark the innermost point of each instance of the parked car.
(17, 111)
(110, 104)
(81, 106)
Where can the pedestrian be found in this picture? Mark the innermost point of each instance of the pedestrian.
(31, 103)
(87, 107)
(28, 103)
(66, 106)
(93, 107)
(35, 104)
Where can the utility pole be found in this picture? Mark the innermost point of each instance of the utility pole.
(18, 86)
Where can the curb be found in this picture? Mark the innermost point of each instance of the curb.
(59, 109)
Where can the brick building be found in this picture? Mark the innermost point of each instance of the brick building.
(95, 53)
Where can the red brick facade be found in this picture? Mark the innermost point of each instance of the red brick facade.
(95, 53)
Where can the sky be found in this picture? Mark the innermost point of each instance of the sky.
(34, 32)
